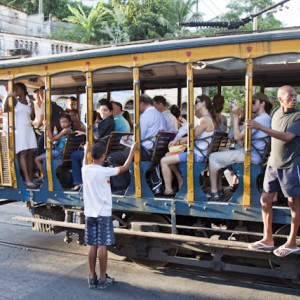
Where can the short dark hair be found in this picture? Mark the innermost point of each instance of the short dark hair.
(106, 103)
(146, 99)
(160, 99)
(72, 98)
(75, 111)
(66, 116)
(118, 104)
(175, 110)
(22, 86)
(98, 150)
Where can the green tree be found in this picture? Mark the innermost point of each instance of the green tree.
(147, 19)
(28, 6)
(89, 26)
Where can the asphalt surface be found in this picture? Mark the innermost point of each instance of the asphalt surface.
(39, 266)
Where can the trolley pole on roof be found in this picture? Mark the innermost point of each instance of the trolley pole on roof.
(232, 24)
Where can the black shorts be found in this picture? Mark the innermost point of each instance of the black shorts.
(99, 231)
(286, 180)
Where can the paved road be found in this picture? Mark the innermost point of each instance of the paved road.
(61, 271)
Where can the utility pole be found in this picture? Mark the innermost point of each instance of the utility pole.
(254, 25)
(40, 7)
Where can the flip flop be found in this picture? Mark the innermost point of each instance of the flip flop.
(285, 251)
(260, 246)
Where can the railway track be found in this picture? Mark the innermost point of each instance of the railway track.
(171, 269)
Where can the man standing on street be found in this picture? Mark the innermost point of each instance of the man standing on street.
(282, 172)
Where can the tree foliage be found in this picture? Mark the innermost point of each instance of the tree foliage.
(89, 26)
(120, 21)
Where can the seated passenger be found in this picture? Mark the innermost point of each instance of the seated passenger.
(71, 104)
(218, 105)
(175, 111)
(121, 124)
(76, 123)
(60, 138)
(160, 103)
(204, 130)
(261, 106)
(151, 122)
(96, 121)
(127, 116)
(105, 127)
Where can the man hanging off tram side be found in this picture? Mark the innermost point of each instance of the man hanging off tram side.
(282, 170)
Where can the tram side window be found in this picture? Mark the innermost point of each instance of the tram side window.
(261, 108)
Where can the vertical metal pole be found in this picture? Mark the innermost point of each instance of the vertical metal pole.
(89, 95)
(11, 136)
(48, 143)
(247, 141)
(190, 120)
(137, 133)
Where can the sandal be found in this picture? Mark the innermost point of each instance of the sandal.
(31, 186)
(76, 188)
(213, 196)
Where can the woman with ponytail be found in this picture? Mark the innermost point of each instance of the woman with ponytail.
(25, 141)
(202, 137)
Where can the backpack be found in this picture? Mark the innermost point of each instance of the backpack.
(56, 113)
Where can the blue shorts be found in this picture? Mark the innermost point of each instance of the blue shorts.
(55, 154)
(99, 231)
(183, 157)
(286, 180)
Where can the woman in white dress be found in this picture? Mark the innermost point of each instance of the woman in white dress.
(25, 141)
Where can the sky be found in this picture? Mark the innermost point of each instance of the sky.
(288, 16)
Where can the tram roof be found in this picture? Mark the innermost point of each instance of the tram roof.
(158, 45)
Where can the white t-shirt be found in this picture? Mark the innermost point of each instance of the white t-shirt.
(96, 190)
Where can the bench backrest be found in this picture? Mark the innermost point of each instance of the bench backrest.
(214, 143)
(265, 152)
(73, 144)
(113, 142)
(161, 143)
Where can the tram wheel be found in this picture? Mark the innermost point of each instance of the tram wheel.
(140, 260)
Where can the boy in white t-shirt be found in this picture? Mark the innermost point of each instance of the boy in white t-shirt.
(98, 210)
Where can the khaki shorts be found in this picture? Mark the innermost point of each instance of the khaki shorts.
(222, 159)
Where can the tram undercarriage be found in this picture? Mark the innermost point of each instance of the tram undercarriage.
(151, 243)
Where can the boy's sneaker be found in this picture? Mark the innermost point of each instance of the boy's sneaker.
(106, 283)
(93, 283)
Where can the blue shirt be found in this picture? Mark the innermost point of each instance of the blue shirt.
(121, 124)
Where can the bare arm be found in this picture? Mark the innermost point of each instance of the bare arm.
(5, 105)
(86, 151)
(32, 112)
(237, 133)
(56, 137)
(41, 120)
(128, 162)
(283, 136)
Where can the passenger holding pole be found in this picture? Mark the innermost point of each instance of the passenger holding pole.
(282, 172)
